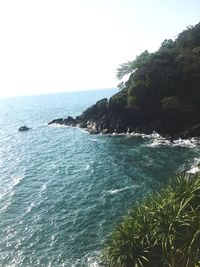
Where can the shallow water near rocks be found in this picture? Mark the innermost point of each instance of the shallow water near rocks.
(63, 190)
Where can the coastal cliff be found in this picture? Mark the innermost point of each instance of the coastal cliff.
(106, 117)
(162, 93)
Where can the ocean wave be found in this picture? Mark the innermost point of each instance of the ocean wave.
(10, 186)
(38, 201)
(6, 194)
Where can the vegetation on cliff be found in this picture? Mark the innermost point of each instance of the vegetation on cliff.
(163, 230)
(162, 93)
(167, 79)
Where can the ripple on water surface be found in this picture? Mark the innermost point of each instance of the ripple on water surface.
(63, 190)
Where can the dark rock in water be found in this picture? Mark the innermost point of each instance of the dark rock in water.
(161, 94)
(94, 112)
(58, 121)
(23, 129)
(89, 119)
(114, 116)
(68, 121)
(83, 124)
(103, 118)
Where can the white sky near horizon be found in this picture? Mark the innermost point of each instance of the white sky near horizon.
(51, 46)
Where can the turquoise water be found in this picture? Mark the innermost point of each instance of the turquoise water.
(62, 190)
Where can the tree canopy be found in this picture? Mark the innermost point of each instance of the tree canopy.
(170, 74)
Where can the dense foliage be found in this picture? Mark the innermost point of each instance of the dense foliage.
(162, 231)
(168, 78)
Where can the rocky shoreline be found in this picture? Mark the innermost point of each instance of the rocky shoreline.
(161, 94)
(107, 117)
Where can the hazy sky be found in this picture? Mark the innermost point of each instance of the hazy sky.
(65, 45)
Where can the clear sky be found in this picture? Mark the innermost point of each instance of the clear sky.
(64, 45)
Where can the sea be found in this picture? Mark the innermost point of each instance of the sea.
(63, 190)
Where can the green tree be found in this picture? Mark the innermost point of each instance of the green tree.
(130, 66)
(172, 71)
(167, 43)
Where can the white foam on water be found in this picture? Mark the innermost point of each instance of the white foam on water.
(191, 142)
(195, 168)
(92, 260)
(158, 142)
(93, 264)
(95, 140)
(44, 187)
(114, 134)
(87, 167)
(87, 260)
(16, 180)
(56, 125)
(153, 135)
(137, 134)
(134, 134)
(155, 140)
(31, 206)
(115, 191)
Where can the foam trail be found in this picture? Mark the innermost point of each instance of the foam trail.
(115, 191)
(13, 183)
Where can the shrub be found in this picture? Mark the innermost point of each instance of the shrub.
(162, 231)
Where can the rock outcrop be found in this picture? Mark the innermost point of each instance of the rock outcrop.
(162, 93)
(108, 116)
(68, 121)
(23, 129)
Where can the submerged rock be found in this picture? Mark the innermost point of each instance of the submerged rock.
(23, 128)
